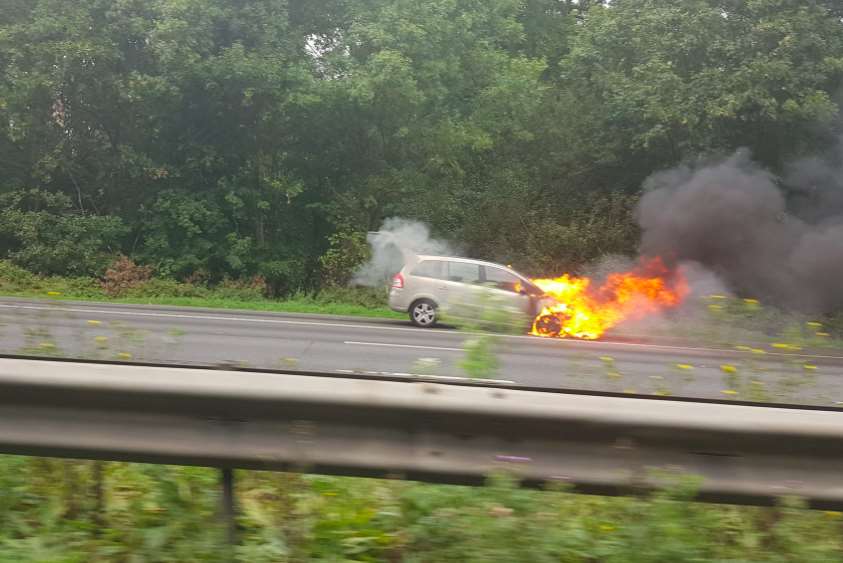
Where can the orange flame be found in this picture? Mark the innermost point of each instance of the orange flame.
(587, 312)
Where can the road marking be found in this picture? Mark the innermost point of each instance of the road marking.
(388, 345)
(550, 341)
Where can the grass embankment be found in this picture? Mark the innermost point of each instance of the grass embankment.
(362, 302)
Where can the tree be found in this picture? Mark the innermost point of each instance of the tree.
(674, 80)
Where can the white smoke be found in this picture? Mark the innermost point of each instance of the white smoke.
(397, 243)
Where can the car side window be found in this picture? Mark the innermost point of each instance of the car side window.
(501, 279)
(429, 269)
(463, 272)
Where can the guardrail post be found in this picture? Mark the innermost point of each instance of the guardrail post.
(229, 510)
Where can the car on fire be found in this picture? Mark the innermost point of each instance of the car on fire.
(429, 285)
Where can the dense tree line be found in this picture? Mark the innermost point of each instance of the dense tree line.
(212, 138)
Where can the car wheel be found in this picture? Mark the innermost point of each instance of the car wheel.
(423, 313)
(548, 325)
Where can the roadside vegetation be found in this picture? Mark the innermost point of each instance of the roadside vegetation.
(238, 156)
(120, 287)
(741, 323)
(70, 511)
(214, 140)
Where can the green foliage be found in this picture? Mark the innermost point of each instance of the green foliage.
(282, 276)
(41, 232)
(361, 296)
(15, 278)
(55, 510)
(677, 79)
(162, 287)
(604, 226)
(346, 252)
(230, 294)
(239, 139)
(480, 359)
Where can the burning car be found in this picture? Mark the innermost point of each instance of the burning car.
(429, 285)
(562, 307)
(586, 311)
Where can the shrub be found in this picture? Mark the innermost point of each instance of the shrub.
(13, 277)
(347, 251)
(43, 233)
(282, 276)
(124, 275)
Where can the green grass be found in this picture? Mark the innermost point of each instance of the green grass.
(362, 302)
(301, 304)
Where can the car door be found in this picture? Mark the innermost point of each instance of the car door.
(508, 288)
(462, 284)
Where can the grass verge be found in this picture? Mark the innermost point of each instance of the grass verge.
(359, 302)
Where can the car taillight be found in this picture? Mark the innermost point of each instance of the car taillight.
(398, 281)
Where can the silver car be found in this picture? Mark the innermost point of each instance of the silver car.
(431, 285)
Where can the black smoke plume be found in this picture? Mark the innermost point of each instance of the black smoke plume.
(779, 240)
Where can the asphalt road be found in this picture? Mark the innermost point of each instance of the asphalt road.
(374, 347)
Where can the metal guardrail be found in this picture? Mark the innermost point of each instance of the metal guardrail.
(425, 431)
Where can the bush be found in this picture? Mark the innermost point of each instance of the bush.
(347, 251)
(43, 233)
(602, 226)
(282, 276)
(124, 275)
(15, 278)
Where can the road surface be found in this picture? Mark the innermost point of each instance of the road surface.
(375, 346)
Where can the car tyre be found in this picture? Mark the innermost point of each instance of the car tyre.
(423, 313)
(548, 325)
